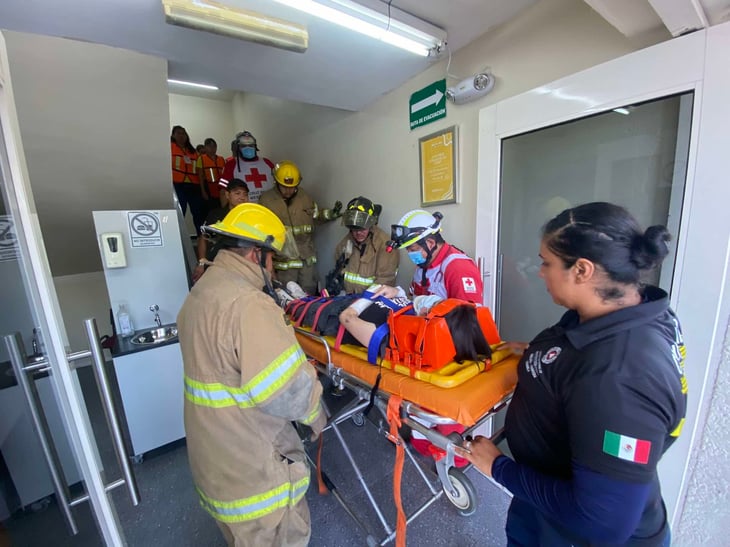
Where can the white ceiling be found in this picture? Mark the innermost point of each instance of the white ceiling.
(340, 69)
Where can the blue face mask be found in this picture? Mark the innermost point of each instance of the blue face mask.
(416, 257)
(248, 153)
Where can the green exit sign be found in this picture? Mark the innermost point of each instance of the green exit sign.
(428, 104)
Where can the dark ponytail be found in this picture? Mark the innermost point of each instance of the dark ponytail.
(469, 340)
(650, 248)
(607, 235)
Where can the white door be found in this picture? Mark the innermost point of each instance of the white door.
(30, 307)
(682, 84)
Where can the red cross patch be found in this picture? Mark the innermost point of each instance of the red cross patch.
(468, 284)
(257, 178)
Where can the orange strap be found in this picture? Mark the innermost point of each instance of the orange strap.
(393, 416)
(323, 490)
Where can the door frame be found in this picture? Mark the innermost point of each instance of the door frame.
(696, 62)
(46, 312)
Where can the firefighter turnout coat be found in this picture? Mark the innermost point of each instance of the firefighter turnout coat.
(367, 263)
(299, 216)
(246, 380)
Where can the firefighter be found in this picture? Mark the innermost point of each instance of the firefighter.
(246, 380)
(362, 254)
(299, 213)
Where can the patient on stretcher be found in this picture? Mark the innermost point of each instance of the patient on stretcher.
(363, 317)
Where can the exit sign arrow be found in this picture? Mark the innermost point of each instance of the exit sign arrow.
(428, 101)
(428, 104)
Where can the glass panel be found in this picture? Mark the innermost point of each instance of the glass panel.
(27, 503)
(634, 156)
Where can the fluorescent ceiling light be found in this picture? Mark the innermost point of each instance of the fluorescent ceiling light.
(192, 84)
(399, 29)
(211, 16)
(624, 111)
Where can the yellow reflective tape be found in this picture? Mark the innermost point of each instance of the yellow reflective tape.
(216, 395)
(313, 416)
(253, 507)
(358, 280)
(290, 265)
(258, 390)
(678, 429)
(685, 388)
(276, 374)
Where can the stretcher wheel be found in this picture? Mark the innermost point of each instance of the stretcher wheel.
(358, 419)
(465, 498)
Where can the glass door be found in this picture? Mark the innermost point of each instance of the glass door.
(48, 454)
(620, 131)
(634, 156)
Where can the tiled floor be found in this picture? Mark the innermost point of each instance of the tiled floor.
(169, 513)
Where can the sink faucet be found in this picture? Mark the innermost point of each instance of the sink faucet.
(154, 308)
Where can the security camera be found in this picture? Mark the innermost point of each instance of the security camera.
(471, 89)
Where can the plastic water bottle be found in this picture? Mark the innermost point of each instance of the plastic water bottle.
(125, 321)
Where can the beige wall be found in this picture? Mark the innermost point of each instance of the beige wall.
(373, 153)
(203, 118)
(95, 128)
(94, 122)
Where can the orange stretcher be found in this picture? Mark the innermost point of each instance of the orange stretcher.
(403, 400)
(464, 403)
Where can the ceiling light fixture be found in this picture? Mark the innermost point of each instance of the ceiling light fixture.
(624, 111)
(395, 27)
(192, 84)
(211, 16)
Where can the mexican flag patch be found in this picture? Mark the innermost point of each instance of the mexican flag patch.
(626, 448)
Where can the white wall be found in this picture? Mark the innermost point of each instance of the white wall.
(203, 118)
(707, 506)
(374, 153)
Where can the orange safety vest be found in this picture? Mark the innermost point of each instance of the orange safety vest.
(212, 171)
(183, 165)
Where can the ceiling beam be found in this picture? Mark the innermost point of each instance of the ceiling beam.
(630, 17)
(681, 16)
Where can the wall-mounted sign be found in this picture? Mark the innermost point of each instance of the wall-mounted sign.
(428, 104)
(438, 157)
(144, 228)
(8, 240)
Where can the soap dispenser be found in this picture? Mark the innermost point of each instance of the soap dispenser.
(125, 321)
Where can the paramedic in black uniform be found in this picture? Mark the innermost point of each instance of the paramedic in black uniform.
(601, 395)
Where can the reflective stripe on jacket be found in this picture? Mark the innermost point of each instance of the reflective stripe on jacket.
(253, 393)
(212, 170)
(183, 165)
(294, 264)
(368, 263)
(246, 380)
(256, 506)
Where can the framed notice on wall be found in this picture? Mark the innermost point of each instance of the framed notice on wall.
(438, 158)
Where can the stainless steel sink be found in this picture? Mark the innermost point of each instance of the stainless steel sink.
(154, 336)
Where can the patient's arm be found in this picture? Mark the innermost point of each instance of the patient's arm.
(360, 329)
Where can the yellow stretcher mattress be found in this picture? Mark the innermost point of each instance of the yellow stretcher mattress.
(465, 403)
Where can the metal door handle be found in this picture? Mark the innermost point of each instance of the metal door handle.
(92, 332)
(13, 342)
(482, 264)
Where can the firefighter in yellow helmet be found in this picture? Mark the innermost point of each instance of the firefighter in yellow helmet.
(299, 213)
(246, 380)
(361, 257)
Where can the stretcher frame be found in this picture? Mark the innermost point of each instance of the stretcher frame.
(453, 481)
